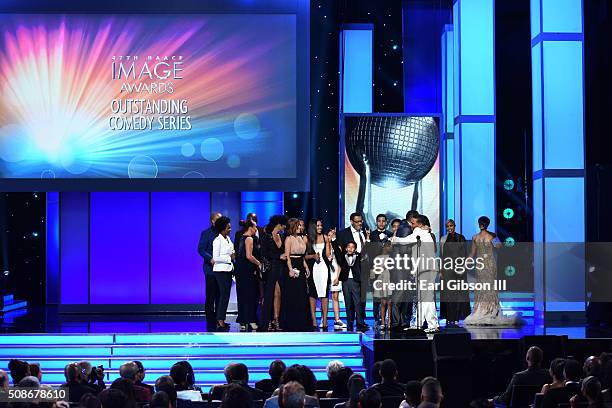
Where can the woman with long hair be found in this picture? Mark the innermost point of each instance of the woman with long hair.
(295, 307)
(275, 261)
(335, 285)
(248, 266)
(487, 309)
(319, 250)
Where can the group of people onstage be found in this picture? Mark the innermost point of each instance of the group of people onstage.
(283, 271)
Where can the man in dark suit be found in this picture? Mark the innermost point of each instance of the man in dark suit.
(75, 383)
(534, 375)
(349, 262)
(355, 233)
(431, 394)
(92, 377)
(205, 249)
(236, 373)
(276, 370)
(129, 371)
(381, 233)
(140, 377)
(389, 386)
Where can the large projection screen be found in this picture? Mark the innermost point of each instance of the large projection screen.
(153, 101)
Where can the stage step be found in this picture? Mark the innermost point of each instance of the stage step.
(208, 353)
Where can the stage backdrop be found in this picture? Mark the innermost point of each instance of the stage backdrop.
(151, 96)
(391, 166)
(107, 250)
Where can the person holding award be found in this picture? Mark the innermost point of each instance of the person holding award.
(424, 250)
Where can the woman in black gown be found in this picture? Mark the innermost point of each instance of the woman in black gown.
(295, 304)
(454, 304)
(247, 269)
(275, 261)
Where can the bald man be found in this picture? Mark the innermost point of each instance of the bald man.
(534, 375)
(205, 250)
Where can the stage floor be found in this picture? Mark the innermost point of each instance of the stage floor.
(48, 320)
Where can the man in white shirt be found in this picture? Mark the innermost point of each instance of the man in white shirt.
(426, 272)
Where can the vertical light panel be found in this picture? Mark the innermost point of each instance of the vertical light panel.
(448, 123)
(177, 219)
(557, 63)
(356, 63)
(356, 81)
(52, 247)
(474, 110)
(448, 112)
(478, 182)
(263, 203)
(119, 248)
(227, 204)
(74, 248)
(422, 21)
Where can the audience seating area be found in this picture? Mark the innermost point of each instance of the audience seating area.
(201, 370)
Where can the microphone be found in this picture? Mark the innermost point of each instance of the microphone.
(418, 237)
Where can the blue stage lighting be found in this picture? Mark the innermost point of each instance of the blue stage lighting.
(510, 270)
(508, 184)
(508, 213)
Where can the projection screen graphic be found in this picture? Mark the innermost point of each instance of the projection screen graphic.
(147, 96)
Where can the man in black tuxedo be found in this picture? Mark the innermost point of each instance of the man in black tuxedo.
(355, 233)
(378, 237)
(205, 249)
(381, 233)
(533, 375)
(349, 262)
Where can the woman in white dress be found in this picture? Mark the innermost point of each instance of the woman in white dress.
(318, 253)
(487, 309)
